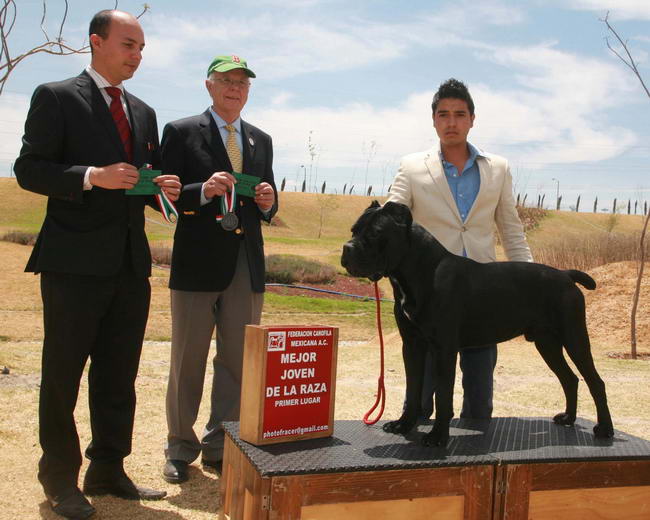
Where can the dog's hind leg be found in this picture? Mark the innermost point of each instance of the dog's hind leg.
(579, 350)
(550, 348)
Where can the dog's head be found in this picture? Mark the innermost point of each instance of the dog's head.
(379, 240)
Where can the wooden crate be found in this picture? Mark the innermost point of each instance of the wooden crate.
(453, 493)
(504, 469)
(610, 490)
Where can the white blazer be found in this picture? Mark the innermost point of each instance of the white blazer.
(422, 186)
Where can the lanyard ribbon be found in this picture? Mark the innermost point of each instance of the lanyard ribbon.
(167, 208)
(227, 203)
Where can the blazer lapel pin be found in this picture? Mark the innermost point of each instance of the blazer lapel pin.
(250, 140)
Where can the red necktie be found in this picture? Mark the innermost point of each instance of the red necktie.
(122, 123)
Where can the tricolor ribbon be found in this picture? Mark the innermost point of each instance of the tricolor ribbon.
(227, 203)
(167, 208)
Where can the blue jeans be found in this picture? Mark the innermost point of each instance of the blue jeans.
(477, 365)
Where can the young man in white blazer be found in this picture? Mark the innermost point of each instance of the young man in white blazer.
(459, 193)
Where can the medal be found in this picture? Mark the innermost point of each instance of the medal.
(229, 221)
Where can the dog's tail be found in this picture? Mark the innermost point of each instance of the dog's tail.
(582, 278)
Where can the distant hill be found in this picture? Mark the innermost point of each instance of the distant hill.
(303, 216)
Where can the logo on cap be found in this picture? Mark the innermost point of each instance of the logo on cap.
(236, 59)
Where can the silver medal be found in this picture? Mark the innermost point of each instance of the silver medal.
(229, 221)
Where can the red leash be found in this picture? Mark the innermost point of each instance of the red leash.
(381, 390)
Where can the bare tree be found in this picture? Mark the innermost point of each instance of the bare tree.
(327, 204)
(55, 45)
(626, 57)
(313, 154)
(369, 153)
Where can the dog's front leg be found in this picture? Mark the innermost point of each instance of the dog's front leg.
(413, 352)
(445, 369)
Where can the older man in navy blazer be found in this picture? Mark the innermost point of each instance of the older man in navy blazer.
(84, 138)
(217, 273)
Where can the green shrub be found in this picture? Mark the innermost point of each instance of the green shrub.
(287, 269)
(25, 238)
(530, 217)
(161, 255)
(294, 268)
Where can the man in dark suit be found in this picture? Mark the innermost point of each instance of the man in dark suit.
(217, 273)
(83, 139)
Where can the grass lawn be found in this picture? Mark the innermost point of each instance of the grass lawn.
(524, 386)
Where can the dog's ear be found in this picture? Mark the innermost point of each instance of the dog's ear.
(375, 204)
(400, 212)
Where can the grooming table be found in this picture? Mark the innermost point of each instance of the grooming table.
(511, 468)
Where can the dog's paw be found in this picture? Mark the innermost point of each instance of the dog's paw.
(401, 426)
(564, 419)
(604, 431)
(436, 439)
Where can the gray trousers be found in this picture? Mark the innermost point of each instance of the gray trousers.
(194, 316)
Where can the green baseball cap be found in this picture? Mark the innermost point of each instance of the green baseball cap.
(226, 63)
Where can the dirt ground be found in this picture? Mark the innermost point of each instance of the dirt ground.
(523, 387)
(609, 306)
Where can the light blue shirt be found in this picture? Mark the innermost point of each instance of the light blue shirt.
(464, 186)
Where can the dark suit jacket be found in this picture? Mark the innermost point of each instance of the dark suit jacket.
(204, 256)
(68, 128)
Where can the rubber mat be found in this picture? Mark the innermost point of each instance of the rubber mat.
(358, 447)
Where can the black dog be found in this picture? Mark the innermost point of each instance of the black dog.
(449, 302)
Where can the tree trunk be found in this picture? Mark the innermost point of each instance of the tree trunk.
(637, 289)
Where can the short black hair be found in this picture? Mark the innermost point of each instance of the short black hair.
(453, 88)
(100, 24)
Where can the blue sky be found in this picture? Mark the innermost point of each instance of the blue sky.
(355, 79)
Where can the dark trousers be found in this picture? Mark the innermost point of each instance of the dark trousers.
(477, 365)
(101, 318)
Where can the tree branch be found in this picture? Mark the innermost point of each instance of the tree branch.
(59, 38)
(55, 47)
(145, 8)
(43, 20)
(630, 59)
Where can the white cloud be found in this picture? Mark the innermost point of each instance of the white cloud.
(287, 5)
(340, 133)
(618, 9)
(162, 53)
(558, 105)
(305, 42)
(281, 98)
(13, 111)
(293, 47)
(472, 15)
(553, 115)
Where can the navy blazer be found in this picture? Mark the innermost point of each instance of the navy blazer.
(69, 128)
(204, 255)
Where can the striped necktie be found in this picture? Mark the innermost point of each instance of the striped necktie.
(234, 153)
(122, 123)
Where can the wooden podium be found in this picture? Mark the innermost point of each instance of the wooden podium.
(513, 468)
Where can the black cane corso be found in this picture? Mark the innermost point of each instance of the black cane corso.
(452, 302)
